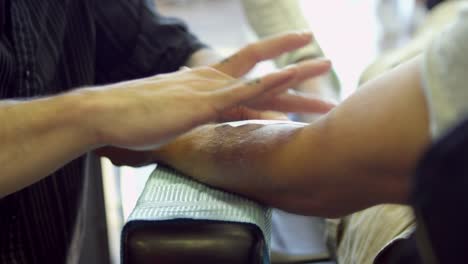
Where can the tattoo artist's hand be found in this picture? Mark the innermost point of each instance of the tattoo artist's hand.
(244, 60)
(318, 87)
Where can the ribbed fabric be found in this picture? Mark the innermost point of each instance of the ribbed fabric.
(170, 195)
(50, 46)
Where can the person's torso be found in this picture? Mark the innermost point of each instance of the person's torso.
(46, 47)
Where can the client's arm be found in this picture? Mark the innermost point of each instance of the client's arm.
(358, 155)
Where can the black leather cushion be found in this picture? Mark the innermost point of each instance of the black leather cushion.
(191, 241)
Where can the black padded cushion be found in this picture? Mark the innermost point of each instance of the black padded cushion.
(191, 241)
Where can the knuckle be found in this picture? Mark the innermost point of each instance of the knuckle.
(252, 52)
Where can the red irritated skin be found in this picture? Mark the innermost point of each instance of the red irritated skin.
(360, 154)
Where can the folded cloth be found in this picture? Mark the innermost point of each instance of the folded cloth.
(169, 195)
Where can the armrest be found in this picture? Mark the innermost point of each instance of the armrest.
(178, 220)
(193, 241)
(282, 258)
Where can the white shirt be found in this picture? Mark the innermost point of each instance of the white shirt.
(445, 76)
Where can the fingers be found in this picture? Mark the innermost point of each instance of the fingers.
(304, 70)
(295, 103)
(276, 100)
(244, 60)
(271, 86)
(185, 72)
(272, 115)
(245, 113)
(309, 69)
(243, 91)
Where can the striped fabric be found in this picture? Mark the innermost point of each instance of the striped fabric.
(50, 46)
(170, 195)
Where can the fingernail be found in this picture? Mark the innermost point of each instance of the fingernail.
(323, 60)
(305, 33)
(290, 67)
(290, 70)
(331, 103)
(317, 61)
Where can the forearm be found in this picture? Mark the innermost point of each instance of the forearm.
(39, 136)
(358, 155)
(230, 156)
(364, 152)
(266, 162)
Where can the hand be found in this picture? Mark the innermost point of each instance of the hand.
(144, 113)
(243, 61)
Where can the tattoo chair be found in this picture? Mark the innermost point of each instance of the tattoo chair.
(177, 220)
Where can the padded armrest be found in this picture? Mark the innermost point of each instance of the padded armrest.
(193, 241)
(178, 220)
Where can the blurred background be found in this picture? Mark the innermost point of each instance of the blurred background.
(351, 33)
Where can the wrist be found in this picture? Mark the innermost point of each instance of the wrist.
(84, 110)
